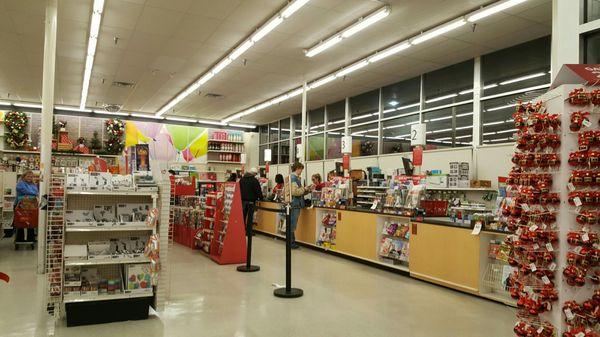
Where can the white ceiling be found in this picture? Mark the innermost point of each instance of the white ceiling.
(163, 45)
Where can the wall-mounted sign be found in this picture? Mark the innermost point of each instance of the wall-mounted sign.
(417, 134)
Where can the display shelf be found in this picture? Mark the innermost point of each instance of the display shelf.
(94, 262)
(107, 229)
(475, 189)
(106, 297)
(224, 162)
(152, 194)
(62, 154)
(224, 151)
(226, 141)
(228, 245)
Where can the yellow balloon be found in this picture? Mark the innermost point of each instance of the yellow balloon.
(133, 135)
(199, 147)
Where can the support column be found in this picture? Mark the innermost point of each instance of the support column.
(477, 93)
(47, 114)
(304, 122)
(347, 116)
(565, 34)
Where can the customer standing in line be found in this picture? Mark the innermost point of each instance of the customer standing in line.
(298, 192)
(251, 192)
(26, 188)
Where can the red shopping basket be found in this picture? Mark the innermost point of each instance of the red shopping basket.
(26, 213)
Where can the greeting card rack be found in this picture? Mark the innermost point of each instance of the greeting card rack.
(182, 188)
(393, 234)
(205, 232)
(90, 288)
(228, 244)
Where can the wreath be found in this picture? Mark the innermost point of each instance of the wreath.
(16, 124)
(115, 129)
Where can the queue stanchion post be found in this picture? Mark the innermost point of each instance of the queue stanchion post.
(288, 291)
(248, 267)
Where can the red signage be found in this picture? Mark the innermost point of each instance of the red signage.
(582, 74)
(417, 156)
(346, 161)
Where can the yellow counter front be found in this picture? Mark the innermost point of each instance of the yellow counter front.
(442, 254)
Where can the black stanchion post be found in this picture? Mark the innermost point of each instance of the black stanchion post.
(288, 291)
(248, 267)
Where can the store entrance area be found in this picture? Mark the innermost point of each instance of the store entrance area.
(342, 298)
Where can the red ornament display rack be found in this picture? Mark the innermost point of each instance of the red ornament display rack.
(182, 234)
(228, 244)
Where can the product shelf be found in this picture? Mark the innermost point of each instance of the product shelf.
(107, 228)
(94, 262)
(153, 194)
(226, 141)
(106, 297)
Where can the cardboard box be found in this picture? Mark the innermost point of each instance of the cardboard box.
(122, 182)
(100, 181)
(437, 181)
(76, 252)
(481, 183)
(99, 250)
(79, 218)
(72, 276)
(104, 213)
(133, 212)
(453, 181)
(138, 278)
(464, 183)
(89, 282)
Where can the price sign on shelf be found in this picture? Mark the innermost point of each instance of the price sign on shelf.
(417, 134)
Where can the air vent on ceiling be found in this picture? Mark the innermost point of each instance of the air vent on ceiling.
(112, 107)
(213, 95)
(123, 84)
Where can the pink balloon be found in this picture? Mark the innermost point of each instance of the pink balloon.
(149, 129)
(187, 155)
(162, 148)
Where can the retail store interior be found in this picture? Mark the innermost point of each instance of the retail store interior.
(257, 168)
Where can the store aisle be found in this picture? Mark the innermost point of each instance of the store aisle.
(342, 298)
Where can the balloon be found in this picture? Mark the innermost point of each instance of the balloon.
(179, 136)
(187, 155)
(199, 147)
(162, 148)
(133, 135)
(193, 132)
(149, 129)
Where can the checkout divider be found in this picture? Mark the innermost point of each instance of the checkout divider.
(445, 254)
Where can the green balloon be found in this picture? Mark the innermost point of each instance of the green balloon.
(179, 136)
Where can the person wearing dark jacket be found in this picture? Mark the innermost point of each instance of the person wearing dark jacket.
(251, 192)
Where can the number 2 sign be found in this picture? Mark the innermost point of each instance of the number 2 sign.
(417, 134)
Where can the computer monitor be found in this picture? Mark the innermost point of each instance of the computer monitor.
(408, 166)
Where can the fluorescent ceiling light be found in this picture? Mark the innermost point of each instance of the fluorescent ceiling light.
(389, 52)
(277, 19)
(279, 99)
(464, 115)
(95, 21)
(102, 112)
(206, 121)
(292, 8)
(507, 131)
(322, 81)
(493, 9)
(145, 116)
(247, 126)
(71, 108)
(501, 107)
(179, 119)
(523, 78)
(366, 22)
(440, 98)
(362, 116)
(323, 45)
(465, 127)
(440, 119)
(266, 29)
(352, 68)
(461, 137)
(297, 92)
(393, 103)
(5, 103)
(28, 105)
(336, 122)
(489, 133)
(445, 138)
(438, 31)
(489, 86)
(493, 123)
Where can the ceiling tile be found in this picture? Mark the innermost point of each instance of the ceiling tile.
(214, 9)
(160, 22)
(121, 14)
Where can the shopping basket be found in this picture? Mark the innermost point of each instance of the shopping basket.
(26, 213)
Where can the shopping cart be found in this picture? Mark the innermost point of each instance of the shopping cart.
(26, 217)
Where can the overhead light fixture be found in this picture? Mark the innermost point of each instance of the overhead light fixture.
(393, 103)
(440, 118)
(28, 105)
(464, 115)
(5, 103)
(323, 45)
(95, 21)
(493, 9)
(351, 68)
(501, 107)
(347, 32)
(322, 81)
(239, 50)
(523, 78)
(145, 116)
(493, 123)
(246, 126)
(180, 119)
(206, 121)
(462, 137)
(439, 31)
(508, 131)
(71, 108)
(103, 112)
(440, 98)
(389, 51)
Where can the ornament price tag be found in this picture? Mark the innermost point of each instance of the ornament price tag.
(549, 247)
(585, 237)
(552, 266)
(580, 334)
(533, 227)
(577, 201)
(571, 187)
(569, 314)
(545, 279)
(586, 123)
(525, 207)
(533, 267)
(536, 246)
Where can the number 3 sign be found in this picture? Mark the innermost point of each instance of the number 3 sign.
(417, 134)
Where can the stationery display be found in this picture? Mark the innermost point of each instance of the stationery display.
(103, 181)
(228, 243)
(327, 230)
(135, 214)
(394, 244)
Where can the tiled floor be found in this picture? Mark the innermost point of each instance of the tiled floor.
(342, 298)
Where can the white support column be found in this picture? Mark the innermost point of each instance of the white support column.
(477, 92)
(565, 34)
(304, 122)
(380, 125)
(47, 113)
(421, 98)
(348, 117)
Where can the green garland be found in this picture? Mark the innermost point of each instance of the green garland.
(115, 129)
(16, 124)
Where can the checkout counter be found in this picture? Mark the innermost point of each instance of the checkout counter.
(440, 250)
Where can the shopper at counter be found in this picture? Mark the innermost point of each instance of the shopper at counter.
(317, 182)
(278, 188)
(232, 178)
(251, 192)
(298, 192)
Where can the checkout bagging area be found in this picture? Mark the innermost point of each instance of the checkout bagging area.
(435, 226)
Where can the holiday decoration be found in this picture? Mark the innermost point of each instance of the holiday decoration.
(81, 147)
(95, 143)
(115, 129)
(16, 124)
(367, 148)
(64, 142)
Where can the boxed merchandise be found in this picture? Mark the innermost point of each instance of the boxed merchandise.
(76, 252)
(72, 277)
(453, 181)
(99, 249)
(79, 217)
(133, 212)
(138, 278)
(71, 291)
(77, 181)
(454, 168)
(100, 181)
(89, 282)
(463, 182)
(481, 183)
(437, 181)
(122, 182)
(104, 213)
